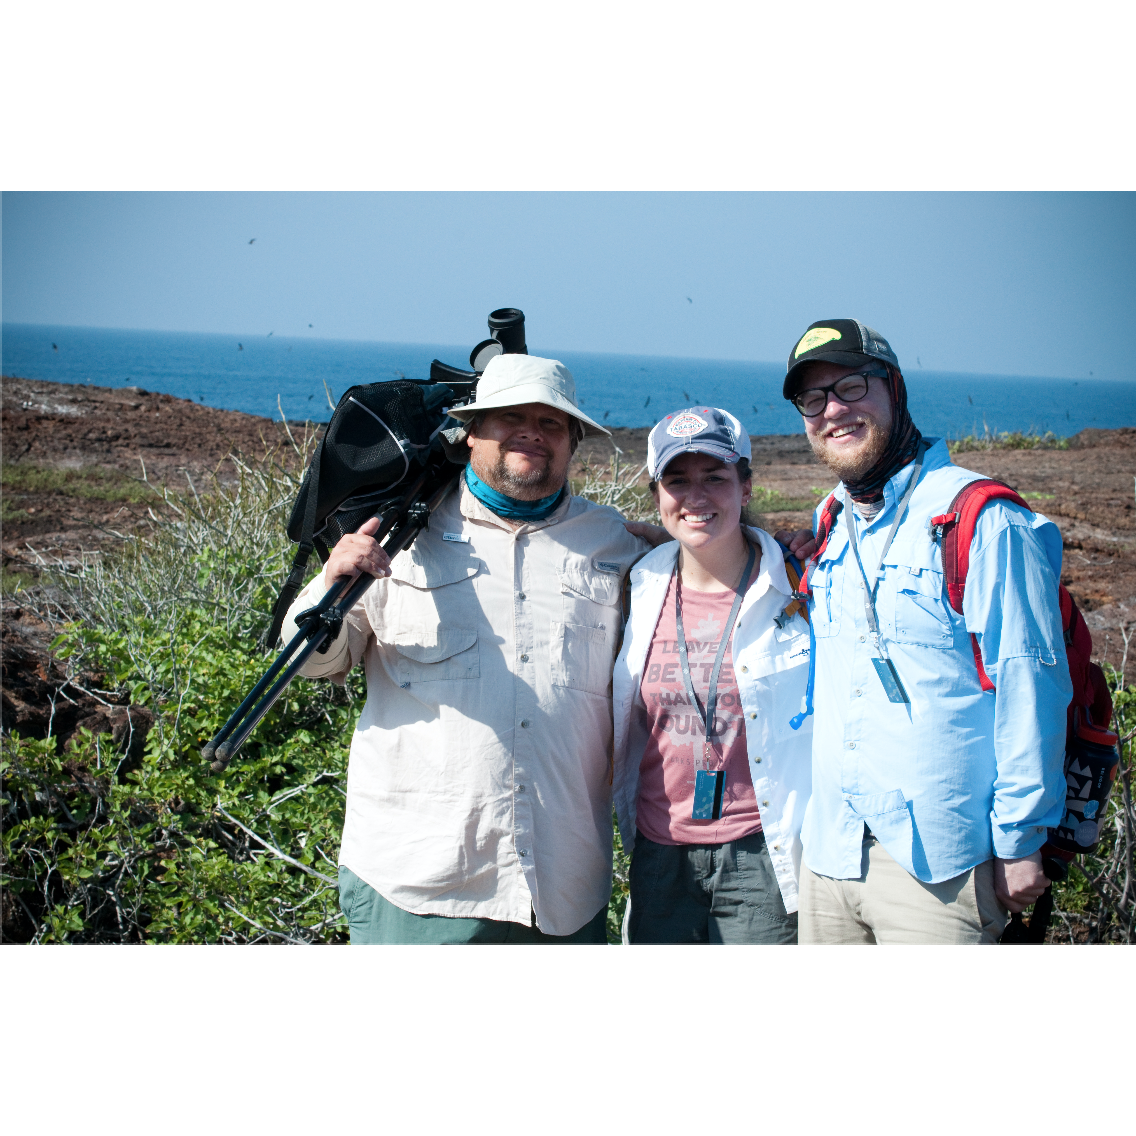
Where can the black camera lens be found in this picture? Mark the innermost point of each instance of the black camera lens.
(507, 326)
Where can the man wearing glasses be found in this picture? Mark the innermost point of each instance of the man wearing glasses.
(931, 798)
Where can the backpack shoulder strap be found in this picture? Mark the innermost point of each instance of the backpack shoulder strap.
(825, 524)
(794, 570)
(954, 530)
(295, 579)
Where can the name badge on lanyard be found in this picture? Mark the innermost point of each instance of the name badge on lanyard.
(709, 784)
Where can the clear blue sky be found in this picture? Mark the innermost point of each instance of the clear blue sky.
(1002, 283)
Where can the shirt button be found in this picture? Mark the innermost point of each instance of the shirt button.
(524, 723)
(776, 847)
(525, 659)
(856, 692)
(753, 714)
(757, 761)
(520, 788)
(523, 853)
(765, 803)
(521, 596)
(851, 745)
(862, 638)
(745, 670)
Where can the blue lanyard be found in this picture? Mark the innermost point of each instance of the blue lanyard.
(871, 589)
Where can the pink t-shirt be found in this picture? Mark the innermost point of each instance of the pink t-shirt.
(676, 746)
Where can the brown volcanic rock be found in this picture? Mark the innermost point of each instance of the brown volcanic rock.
(72, 426)
(124, 431)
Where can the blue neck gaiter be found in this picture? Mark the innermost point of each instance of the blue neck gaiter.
(510, 507)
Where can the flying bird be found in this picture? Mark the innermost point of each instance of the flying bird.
(54, 348)
(253, 241)
(686, 396)
(648, 400)
(240, 346)
(269, 335)
(970, 400)
(309, 325)
(689, 300)
(606, 413)
(917, 360)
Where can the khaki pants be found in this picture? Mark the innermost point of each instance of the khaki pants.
(889, 905)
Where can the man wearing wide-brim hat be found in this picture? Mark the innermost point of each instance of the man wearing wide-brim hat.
(479, 794)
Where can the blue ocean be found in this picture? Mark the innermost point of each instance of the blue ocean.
(271, 375)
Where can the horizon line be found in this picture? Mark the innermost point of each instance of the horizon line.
(253, 336)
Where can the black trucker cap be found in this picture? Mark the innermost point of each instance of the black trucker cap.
(847, 342)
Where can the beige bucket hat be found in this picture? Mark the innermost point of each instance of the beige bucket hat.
(512, 380)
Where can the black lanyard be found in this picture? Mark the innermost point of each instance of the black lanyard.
(707, 718)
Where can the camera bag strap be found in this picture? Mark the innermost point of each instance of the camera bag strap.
(295, 579)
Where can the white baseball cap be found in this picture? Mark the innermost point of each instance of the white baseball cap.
(513, 380)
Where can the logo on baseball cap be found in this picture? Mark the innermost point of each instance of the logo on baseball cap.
(846, 342)
(696, 429)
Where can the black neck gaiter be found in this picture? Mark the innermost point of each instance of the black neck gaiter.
(903, 443)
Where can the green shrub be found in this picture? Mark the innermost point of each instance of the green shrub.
(774, 501)
(1007, 440)
(98, 850)
(95, 483)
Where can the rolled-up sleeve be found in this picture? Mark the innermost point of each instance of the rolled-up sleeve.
(346, 649)
(1011, 605)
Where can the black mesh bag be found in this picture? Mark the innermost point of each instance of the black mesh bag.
(378, 434)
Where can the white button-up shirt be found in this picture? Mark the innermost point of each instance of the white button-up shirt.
(479, 777)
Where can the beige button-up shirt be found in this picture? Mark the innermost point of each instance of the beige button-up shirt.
(479, 778)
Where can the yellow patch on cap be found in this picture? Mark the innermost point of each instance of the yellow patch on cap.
(814, 338)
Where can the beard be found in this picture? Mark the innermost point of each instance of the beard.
(530, 486)
(853, 466)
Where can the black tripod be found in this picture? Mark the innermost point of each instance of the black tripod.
(402, 520)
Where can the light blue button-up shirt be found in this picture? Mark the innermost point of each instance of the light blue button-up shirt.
(959, 775)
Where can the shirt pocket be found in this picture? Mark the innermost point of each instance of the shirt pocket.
(581, 657)
(448, 654)
(826, 583)
(582, 642)
(435, 599)
(912, 600)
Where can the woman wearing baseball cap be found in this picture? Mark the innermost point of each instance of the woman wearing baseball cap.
(710, 781)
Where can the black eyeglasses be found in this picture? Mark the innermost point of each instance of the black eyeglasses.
(850, 388)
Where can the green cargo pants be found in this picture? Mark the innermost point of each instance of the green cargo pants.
(373, 919)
